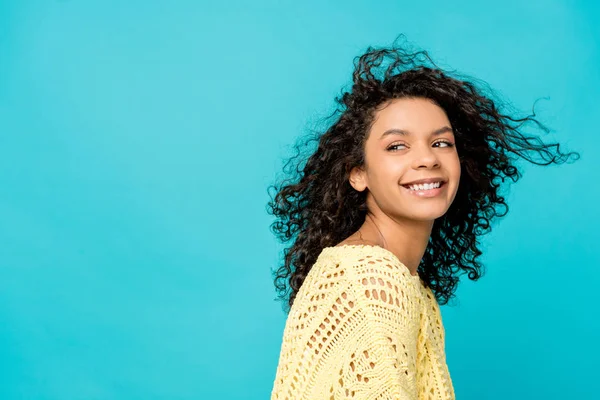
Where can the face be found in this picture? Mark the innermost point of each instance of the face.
(411, 139)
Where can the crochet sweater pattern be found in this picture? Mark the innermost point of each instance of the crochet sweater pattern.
(362, 327)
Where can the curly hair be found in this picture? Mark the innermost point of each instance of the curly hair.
(316, 207)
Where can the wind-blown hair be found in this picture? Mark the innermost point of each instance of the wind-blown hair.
(316, 206)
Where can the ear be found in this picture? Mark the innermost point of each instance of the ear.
(358, 179)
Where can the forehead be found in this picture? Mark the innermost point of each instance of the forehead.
(416, 115)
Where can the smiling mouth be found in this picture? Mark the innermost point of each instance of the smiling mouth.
(426, 193)
(442, 184)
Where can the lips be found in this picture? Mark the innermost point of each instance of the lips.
(408, 185)
(426, 193)
(423, 181)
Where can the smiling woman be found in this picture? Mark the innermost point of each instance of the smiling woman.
(381, 217)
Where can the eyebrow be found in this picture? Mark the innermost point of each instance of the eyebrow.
(437, 132)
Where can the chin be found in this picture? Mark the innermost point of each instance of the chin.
(426, 214)
(430, 218)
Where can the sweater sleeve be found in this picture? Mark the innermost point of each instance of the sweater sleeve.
(381, 334)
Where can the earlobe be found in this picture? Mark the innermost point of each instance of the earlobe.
(357, 179)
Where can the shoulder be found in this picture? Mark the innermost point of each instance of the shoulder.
(356, 267)
(381, 287)
(376, 278)
(366, 261)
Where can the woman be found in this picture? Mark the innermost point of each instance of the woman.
(382, 217)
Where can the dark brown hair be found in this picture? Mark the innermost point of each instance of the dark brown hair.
(315, 206)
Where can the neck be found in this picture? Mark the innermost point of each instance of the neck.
(407, 239)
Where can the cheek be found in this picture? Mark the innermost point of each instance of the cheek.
(388, 176)
(392, 168)
(458, 167)
(452, 164)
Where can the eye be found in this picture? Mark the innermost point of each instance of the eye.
(449, 144)
(394, 147)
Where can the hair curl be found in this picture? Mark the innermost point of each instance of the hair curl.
(316, 206)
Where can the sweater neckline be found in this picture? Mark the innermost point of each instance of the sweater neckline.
(379, 249)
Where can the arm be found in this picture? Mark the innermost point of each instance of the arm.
(352, 335)
(382, 333)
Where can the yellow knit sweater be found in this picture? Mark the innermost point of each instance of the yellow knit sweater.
(362, 327)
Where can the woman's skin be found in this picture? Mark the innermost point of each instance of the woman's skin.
(398, 220)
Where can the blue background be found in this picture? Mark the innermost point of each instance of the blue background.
(137, 141)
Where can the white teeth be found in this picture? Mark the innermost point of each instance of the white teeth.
(426, 186)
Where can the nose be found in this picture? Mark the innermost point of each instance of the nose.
(424, 156)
